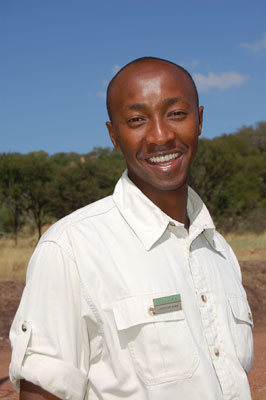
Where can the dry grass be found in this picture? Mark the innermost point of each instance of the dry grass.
(248, 246)
(14, 259)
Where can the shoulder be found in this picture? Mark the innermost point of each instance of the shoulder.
(223, 246)
(85, 214)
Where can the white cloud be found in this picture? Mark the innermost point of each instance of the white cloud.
(194, 64)
(257, 46)
(191, 64)
(222, 81)
(101, 94)
(115, 69)
(105, 83)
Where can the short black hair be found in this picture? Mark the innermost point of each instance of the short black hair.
(144, 59)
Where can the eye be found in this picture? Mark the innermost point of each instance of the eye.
(135, 122)
(135, 119)
(177, 114)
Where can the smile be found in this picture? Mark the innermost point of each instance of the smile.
(163, 159)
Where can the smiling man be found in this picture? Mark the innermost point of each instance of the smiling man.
(137, 296)
(156, 122)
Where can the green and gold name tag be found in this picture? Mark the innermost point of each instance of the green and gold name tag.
(166, 304)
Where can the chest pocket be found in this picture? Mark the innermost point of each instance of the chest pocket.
(161, 346)
(241, 324)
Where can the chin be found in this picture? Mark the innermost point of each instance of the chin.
(168, 186)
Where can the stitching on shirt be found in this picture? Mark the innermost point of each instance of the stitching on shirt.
(83, 290)
(216, 323)
(92, 307)
(58, 229)
(93, 216)
(61, 246)
(57, 235)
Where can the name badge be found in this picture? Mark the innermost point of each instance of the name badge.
(166, 304)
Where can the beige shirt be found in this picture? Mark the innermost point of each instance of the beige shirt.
(121, 302)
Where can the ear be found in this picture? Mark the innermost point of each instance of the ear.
(201, 108)
(112, 135)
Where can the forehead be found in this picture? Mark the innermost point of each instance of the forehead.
(164, 78)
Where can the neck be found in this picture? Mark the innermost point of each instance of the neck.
(172, 202)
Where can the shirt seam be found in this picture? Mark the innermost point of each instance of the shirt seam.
(83, 291)
(56, 235)
(65, 249)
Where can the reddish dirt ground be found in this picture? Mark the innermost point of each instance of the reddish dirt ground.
(254, 279)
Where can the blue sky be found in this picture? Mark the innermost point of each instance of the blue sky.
(58, 55)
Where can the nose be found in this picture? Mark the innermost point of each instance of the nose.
(158, 132)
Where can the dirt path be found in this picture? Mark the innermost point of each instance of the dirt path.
(6, 389)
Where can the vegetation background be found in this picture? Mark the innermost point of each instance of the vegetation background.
(229, 173)
(36, 189)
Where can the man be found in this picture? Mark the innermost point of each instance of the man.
(137, 296)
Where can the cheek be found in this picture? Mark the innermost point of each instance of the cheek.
(194, 148)
(190, 139)
(127, 149)
(187, 131)
(128, 146)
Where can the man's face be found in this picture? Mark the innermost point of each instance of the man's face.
(156, 124)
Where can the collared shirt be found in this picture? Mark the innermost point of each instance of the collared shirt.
(122, 302)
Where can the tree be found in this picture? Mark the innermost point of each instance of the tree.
(73, 187)
(11, 190)
(228, 174)
(82, 182)
(37, 172)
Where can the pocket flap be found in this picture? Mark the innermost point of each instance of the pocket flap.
(135, 310)
(240, 309)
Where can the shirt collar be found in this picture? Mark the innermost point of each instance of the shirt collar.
(149, 222)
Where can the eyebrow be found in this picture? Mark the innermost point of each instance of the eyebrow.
(168, 101)
(137, 106)
(172, 100)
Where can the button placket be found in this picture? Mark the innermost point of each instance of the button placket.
(209, 323)
(204, 298)
(216, 351)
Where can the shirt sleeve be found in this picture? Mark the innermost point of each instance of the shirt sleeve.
(49, 337)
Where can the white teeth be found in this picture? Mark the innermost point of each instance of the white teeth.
(165, 158)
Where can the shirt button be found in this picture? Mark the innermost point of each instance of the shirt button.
(216, 352)
(23, 327)
(204, 298)
(249, 316)
(151, 311)
(172, 223)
